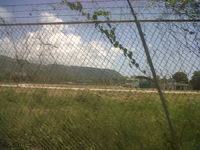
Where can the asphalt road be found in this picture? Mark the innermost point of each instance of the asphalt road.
(49, 86)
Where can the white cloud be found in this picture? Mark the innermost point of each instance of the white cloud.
(5, 45)
(60, 44)
(48, 17)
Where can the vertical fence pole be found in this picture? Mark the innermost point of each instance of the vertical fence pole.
(175, 143)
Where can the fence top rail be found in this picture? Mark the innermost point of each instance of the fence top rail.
(105, 21)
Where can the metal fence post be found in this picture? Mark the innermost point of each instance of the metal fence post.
(175, 143)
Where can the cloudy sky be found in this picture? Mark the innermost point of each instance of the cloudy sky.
(172, 48)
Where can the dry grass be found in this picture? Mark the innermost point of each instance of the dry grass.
(64, 119)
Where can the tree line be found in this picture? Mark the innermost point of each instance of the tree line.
(181, 77)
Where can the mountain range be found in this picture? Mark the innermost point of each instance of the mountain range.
(23, 70)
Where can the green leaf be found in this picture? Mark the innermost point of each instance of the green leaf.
(125, 50)
(192, 32)
(96, 25)
(130, 54)
(102, 13)
(137, 65)
(109, 25)
(79, 6)
(88, 16)
(130, 66)
(112, 31)
(133, 61)
(84, 14)
(116, 44)
(120, 46)
(111, 41)
(94, 17)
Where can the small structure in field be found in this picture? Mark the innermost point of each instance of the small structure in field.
(171, 84)
(138, 82)
(132, 82)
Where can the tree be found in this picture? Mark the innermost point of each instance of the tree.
(189, 8)
(195, 81)
(180, 77)
(185, 9)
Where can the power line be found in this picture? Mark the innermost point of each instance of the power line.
(62, 9)
(105, 21)
(61, 3)
(80, 15)
(86, 8)
(72, 15)
(58, 9)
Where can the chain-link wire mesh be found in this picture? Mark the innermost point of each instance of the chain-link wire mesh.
(67, 86)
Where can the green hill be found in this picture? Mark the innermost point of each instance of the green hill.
(24, 71)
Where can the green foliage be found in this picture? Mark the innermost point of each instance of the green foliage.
(145, 84)
(85, 120)
(189, 8)
(195, 81)
(185, 9)
(107, 30)
(54, 73)
(102, 13)
(74, 6)
(180, 77)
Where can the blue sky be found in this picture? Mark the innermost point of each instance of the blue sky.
(14, 2)
(172, 49)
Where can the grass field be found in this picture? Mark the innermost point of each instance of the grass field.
(82, 120)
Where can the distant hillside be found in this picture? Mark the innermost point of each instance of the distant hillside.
(12, 69)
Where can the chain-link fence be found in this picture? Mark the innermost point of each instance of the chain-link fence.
(86, 86)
